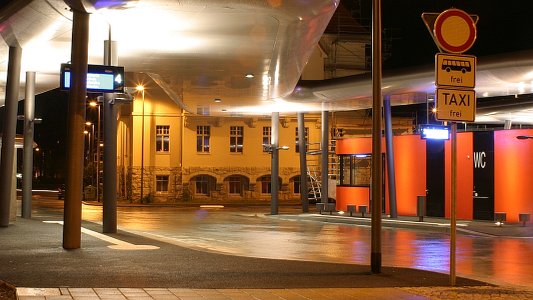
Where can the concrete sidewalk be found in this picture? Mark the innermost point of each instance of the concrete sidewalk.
(127, 266)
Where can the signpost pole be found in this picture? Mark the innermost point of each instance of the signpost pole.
(454, 31)
(453, 232)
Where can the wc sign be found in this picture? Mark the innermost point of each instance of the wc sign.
(480, 160)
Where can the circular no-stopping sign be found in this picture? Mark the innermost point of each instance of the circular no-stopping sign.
(454, 31)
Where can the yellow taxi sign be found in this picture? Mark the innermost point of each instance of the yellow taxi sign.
(455, 105)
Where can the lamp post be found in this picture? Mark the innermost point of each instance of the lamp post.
(91, 147)
(95, 104)
(140, 88)
(273, 149)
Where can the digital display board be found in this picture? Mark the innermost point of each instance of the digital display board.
(434, 132)
(100, 79)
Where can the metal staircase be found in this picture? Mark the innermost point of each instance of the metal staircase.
(314, 170)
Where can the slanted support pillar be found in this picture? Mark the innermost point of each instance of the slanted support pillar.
(390, 157)
(303, 162)
(324, 146)
(274, 176)
(27, 160)
(8, 138)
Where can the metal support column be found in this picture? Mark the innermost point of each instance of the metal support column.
(274, 176)
(76, 125)
(391, 174)
(9, 132)
(110, 165)
(375, 252)
(303, 162)
(27, 161)
(324, 146)
(109, 208)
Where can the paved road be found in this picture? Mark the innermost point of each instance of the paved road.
(252, 232)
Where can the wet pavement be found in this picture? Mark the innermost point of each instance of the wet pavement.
(252, 232)
(318, 248)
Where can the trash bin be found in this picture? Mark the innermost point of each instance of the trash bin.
(420, 207)
(89, 193)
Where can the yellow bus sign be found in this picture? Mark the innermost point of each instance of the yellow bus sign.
(456, 105)
(455, 70)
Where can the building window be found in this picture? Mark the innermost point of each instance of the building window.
(204, 184)
(296, 185)
(203, 133)
(266, 186)
(306, 137)
(162, 138)
(237, 185)
(236, 138)
(267, 134)
(161, 183)
(355, 170)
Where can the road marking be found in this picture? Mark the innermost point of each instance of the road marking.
(117, 244)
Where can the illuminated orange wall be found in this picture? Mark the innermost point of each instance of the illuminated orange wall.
(513, 173)
(465, 176)
(354, 146)
(352, 195)
(410, 168)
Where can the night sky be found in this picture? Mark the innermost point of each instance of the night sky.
(503, 26)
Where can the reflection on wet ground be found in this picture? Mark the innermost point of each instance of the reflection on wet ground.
(251, 232)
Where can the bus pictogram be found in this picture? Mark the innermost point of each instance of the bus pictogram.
(456, 65)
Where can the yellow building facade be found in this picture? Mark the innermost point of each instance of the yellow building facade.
(187, 157)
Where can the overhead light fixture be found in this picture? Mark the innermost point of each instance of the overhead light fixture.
(249, 75)
(217, 100)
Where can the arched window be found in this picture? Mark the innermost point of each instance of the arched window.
(296, 184)
(237, 184)
(203, 184)
(266, 185)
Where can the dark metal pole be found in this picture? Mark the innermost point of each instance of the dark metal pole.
(274, 176)
(375, 254)
(76, 124)
(110, 165)
(8, 137)
(453, 205)
(324, 157)
(27, 161)
(98, 139)
(109, 208)
(142, 147)
(390, 158)
(303, 163)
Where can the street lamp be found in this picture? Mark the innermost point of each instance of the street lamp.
(95, 104)
(140, 88)
(91, 147)
(270, 148)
